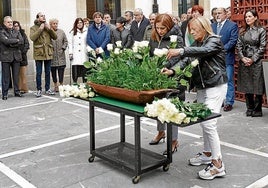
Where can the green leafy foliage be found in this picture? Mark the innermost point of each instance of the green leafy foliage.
(192, 110)
(134, 70)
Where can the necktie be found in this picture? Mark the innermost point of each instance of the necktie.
(219, 28)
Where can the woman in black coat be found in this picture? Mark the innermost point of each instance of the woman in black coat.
(251, 47)
(23, 64)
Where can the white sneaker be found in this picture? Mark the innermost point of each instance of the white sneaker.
(50, 92)
(200, 159)
(211, 172)
(38, 93)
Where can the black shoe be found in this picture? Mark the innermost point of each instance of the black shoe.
(256, 114)
(155, 142)
(174, 149)
(18, 94)
(249, 112)
(227, 108)
(4, 97)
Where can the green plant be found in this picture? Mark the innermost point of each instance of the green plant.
(131, 69)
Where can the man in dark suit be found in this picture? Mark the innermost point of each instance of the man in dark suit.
(138, 25)
(10, 56)
(228, 31)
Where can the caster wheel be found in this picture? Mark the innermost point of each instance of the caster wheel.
(91, 159)
(136, 179)
(166, 167)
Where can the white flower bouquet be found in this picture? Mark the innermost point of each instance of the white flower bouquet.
(82, 91)
(175, 111)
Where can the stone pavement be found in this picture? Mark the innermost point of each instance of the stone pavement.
(44, 143)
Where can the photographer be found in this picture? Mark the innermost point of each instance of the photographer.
(41, 35)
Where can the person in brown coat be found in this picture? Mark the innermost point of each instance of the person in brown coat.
(41, 35)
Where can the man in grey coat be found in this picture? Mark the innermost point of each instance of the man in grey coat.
(10, 56)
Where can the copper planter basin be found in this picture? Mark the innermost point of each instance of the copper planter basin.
(138, 97)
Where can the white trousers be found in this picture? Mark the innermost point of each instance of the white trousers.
(213, 98)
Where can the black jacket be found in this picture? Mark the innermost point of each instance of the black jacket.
(138, 32)
(165, 42)
(211, 69)
(24, 48)
(124, 36)
(10, 43)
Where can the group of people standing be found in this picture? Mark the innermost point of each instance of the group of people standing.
(212, 44)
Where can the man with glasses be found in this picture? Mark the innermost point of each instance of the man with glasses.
(41, 35)
(228, 31)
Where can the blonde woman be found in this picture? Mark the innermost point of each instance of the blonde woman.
(210, 79)
(58, 63)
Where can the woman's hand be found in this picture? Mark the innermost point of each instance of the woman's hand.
(173, 52)
(247, 61)
(167, 71)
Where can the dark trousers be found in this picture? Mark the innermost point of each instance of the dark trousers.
(39, 69)
(6, 75)
(254, 103)
(60, 70)
(79, 71)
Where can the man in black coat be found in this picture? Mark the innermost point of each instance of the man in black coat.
(138, 25)
(10, 56)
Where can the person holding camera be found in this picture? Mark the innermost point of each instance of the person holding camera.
(41, 35)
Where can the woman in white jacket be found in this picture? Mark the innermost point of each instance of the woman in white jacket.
(77, 50)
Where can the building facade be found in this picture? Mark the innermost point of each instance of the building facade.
(66, 11)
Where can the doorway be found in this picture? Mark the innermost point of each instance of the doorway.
(5, 9)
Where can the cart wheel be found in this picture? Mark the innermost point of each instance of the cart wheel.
(91, 159)
(166, 167)
(136, 179)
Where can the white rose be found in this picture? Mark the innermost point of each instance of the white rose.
(101, 50)
(116, 51)
(195, 63)
(135, 49)
(110, 47)
(157, 52)
(89, 49)
(118, 43)
(165, 51)
(160, 52)
(144, 43)
(136, 44)
(173, 38)
(91, 94)
(99, 60)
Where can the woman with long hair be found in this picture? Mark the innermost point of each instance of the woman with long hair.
(251, 47)
(163, 28)
(77, 49)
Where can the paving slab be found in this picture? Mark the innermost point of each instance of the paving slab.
(45, 141)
